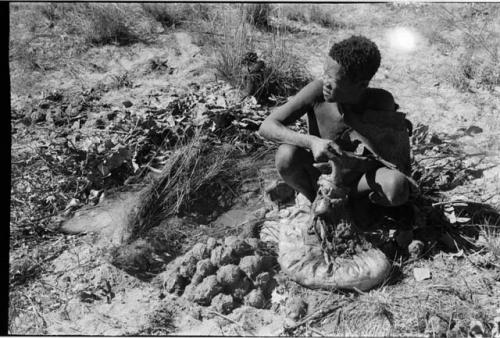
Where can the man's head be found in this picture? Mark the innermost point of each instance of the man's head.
(349, 67)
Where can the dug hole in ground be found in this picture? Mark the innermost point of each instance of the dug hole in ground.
(144, 201)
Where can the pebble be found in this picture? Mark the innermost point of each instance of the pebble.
(416, 248)
(206, 290)
(295, 308)
(436, 327)
(255, 299)
(251, 265)
(211, 243)
(229, 275)
(223, 303)
(205, 267)
(421, 274)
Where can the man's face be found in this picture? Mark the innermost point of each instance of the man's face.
(337, 86)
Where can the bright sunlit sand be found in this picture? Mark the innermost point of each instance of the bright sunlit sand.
(402, 39)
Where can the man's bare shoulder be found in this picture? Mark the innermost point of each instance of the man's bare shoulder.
(311, 93)
(379, 99)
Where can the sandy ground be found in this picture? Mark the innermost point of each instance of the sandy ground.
(414, 79)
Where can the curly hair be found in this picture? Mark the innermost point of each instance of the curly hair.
(358, 55)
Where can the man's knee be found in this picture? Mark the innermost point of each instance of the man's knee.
(289, 158)
(396, 188)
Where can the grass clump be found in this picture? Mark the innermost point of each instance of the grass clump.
(491, 237)
(262, 68)
(284, 73)
(103, 24)
(166, 14)
(315, 13)
(96, 23)
(174, 15)
(475, 72)
(160, 322)
(258, 14)
(51, 37)
(321, 15)
(472, 30)
(191, 167)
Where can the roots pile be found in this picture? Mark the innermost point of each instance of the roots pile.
(223, 274)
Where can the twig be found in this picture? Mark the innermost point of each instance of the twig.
(488, 198)
(337, 320)
(156, 171)
(35, 309)
(468, 288)
(317, 331)
(455, 201)
(232, 321)
(358, 291)
(316, 315)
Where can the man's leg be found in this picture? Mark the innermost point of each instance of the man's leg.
(295, 166)
(384, 187)
(379, 192)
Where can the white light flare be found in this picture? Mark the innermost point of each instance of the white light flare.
(402, 39)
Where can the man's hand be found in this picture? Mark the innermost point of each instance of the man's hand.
(324, 150)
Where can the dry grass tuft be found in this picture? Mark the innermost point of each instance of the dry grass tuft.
(490, 233)
(282, 73)
(107, 23)
(167, 15)
(258, 14)
(174, 15)
(475, 43)
(50, 37)
(191, 166)
(320, 14)
(235, 41)
(160, 322)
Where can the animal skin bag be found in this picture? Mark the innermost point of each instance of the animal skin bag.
(321, 247)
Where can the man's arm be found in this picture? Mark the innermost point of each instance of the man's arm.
(275, 127)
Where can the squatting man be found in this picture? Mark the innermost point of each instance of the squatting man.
(335, 103)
